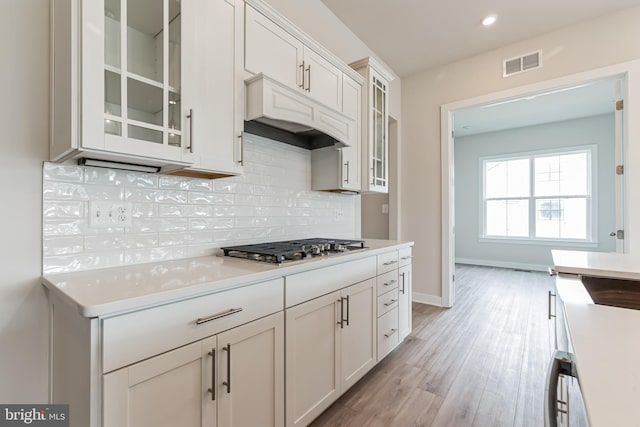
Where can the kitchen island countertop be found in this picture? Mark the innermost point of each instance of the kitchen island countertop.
(604, 339)
(111, 291)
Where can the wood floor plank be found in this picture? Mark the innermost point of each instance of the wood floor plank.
(481, 363)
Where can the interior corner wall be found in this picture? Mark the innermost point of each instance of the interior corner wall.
(605, 41)
(375, 222)
(24, 315)
(597, 130)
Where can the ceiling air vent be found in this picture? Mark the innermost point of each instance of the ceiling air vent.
(520, 64)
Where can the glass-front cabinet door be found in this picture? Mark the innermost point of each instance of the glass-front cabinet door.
(379, 138)
(375, 124)
(141, 78)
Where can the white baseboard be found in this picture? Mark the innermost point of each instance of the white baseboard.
(427, 299)
(503, 264)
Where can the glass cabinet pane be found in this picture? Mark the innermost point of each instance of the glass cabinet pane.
(145, 38)
(144, 102)
(142, 70)
(174, 45)
(112, 33)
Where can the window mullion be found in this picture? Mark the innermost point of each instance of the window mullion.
(532, 205)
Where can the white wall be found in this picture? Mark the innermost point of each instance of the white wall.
(608, 40)
(24, 317)
(598, 130)
(375, 223)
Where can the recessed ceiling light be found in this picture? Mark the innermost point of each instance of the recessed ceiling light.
(489, 20)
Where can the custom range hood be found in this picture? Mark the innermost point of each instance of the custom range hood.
(285, 114)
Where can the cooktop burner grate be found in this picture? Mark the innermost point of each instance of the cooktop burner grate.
(291, 250)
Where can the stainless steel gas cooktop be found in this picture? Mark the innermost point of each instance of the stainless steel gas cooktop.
(292, 250)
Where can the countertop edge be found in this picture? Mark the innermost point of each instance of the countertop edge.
(125, 305)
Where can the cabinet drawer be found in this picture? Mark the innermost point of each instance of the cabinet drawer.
(387, 262)
(311, 284)
(136, 336)
(387, 333)
(405, 256)
(387, 302)
(387, 281)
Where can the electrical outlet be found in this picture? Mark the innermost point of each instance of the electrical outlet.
(338, 214)
(109, 214)
(385, 208)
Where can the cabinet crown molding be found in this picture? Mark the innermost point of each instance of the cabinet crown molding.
(372, 62)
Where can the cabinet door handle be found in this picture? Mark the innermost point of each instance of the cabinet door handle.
(561, 364)
(227, 383)
(393, 301)
(302, 71)
(229, 312)
(551, 294)
(190, 117)
(212, 390)
(390, 283)
(241, 137)
(391, 332)
(347, 174)
(309, 79)
(389, 263)
(347, 310)
(341, 321)
(403, 284)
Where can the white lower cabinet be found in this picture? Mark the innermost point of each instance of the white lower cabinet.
(330, 344)
(235, 378)
(404, 301)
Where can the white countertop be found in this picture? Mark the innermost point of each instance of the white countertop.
(109, 291)
(604, 339)
(600, 264)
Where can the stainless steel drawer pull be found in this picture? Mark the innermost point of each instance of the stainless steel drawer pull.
(190, 117)
(347, 310)
(341, 321)
(390, 262)
(228, 381)
(212, 390)
(391, 332)
(393, 301)
(240, 137)
(302, 70)
(406, 257)
(229, 312)
(551, 294)
(390, 283)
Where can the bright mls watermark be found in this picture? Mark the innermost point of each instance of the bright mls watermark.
(34, 415)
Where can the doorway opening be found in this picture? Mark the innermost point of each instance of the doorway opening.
(496, 115)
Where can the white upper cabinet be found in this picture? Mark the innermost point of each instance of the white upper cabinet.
(276, 48)
(375, 125)
(116, 82)
(213, 87)
(271, 50)
(149, 82)
(339, 169)
(322, 80)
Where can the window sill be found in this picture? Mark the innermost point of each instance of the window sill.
(540, 242)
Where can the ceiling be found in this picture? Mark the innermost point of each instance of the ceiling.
(557, 105)
(413, 35)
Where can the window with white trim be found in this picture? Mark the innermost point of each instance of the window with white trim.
(539, 196)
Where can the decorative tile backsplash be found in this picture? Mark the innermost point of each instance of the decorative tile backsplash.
(176, 217)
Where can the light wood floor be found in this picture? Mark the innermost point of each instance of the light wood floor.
(481, 363)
